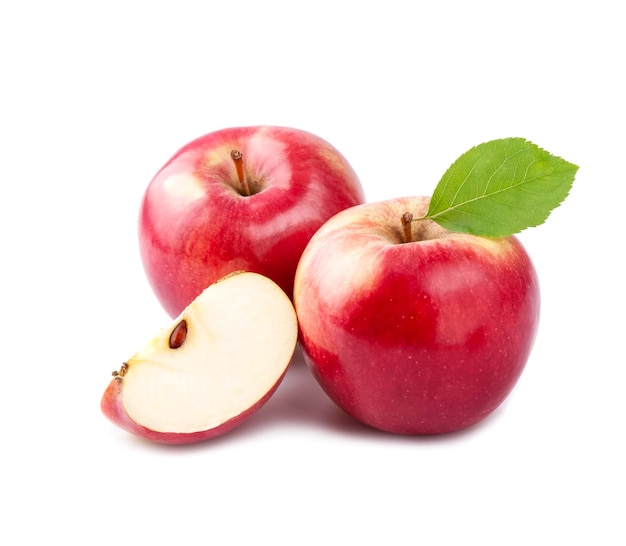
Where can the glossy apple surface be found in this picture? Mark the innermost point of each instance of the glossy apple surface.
(213, 367)
(242, 198)
(420, 337)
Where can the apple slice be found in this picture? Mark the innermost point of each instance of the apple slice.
(217, 363)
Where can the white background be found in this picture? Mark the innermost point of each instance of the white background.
(95, 97)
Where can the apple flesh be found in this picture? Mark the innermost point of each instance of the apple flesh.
(245, 198)
(212, 368)
(414, 329)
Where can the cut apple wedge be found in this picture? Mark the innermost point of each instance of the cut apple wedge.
(216, 364)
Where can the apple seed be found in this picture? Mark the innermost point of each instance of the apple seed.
(178, 335)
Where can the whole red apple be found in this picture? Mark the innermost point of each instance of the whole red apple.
(410, 328)
(245, 198)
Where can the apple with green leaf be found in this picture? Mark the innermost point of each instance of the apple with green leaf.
(417, 315)
(212, 368)
(241, 198)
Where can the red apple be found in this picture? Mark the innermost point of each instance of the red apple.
(213, 367)
(419, 332)
(242, 198)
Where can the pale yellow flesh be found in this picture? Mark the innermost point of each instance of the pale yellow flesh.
(242, 332)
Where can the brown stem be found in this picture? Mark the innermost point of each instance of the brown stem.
(407, 220)
(122, 372)
(237, 158)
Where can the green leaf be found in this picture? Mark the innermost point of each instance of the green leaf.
(500, 187)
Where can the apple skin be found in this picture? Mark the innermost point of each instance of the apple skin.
(426, 337)
(195, 226)
(112, 407)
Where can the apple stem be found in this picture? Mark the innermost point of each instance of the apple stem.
(407, 220)
(237, 158)
(122, 372)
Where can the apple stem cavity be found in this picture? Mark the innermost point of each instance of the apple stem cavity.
(237, 158)
(407, 220)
